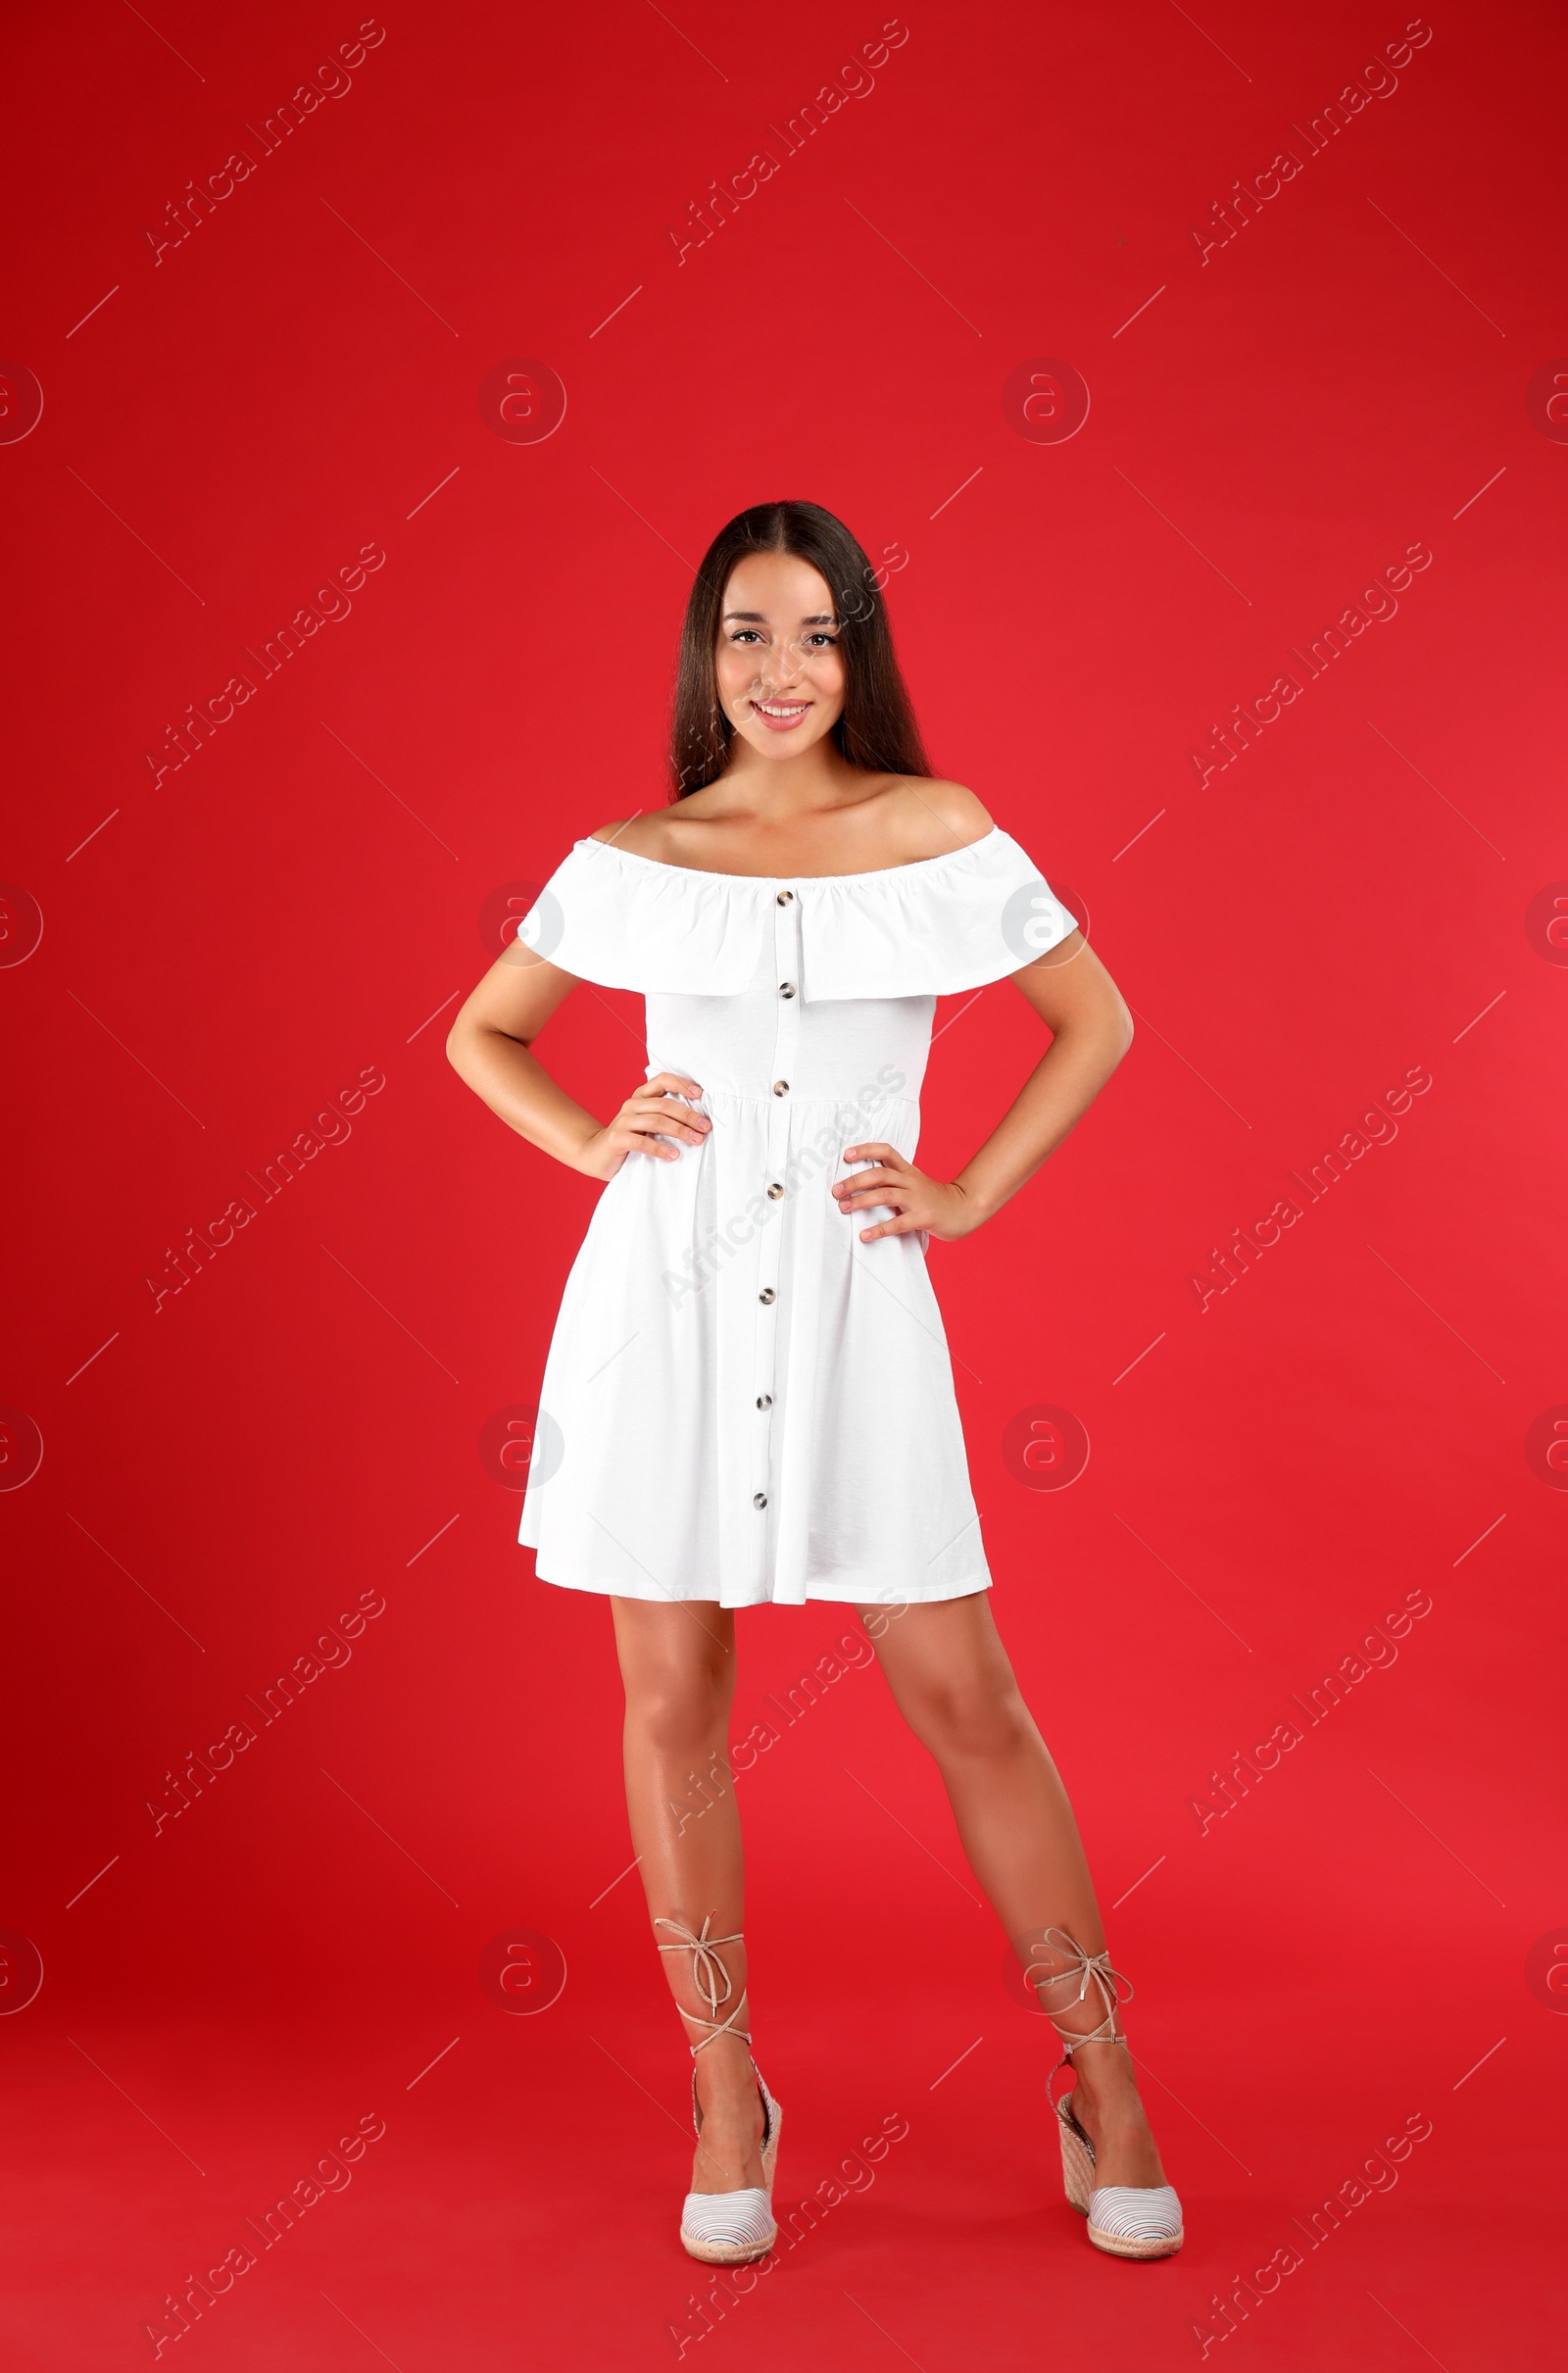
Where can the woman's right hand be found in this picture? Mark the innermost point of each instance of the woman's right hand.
(650, 1113)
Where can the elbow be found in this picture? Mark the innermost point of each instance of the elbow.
(461, 1045)
(470, 1041)
(1110, 1031)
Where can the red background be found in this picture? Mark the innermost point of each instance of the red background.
(224, 1474)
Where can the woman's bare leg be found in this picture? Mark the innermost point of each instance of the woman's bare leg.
(677, 1661)
(952, 1682)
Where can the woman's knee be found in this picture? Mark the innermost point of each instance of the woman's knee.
(680, 1707)
(678, 1672)
(969, 1718)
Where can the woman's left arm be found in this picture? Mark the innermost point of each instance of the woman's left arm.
(1091, 1031)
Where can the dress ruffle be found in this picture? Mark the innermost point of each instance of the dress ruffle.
(931, 929)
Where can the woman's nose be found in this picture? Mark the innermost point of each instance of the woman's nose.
(780, 671)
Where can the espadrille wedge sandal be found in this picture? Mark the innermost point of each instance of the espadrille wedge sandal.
(725, 2228)
(1126, 2220)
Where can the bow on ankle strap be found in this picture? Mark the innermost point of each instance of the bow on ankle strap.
(1113, 1990)
(707, 1973)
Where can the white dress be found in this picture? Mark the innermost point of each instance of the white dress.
(743, 1402)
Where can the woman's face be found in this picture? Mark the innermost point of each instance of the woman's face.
(780, 671)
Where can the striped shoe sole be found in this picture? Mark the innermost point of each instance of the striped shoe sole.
(731, 2253)
(1116, 2245)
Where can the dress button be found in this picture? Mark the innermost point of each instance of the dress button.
(768, 1295)
(786, 988)
(765, 1400)
(759, 1499)
(774, 1192)
(781, 1087)
(786, 898)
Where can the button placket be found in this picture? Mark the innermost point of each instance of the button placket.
(772, 1185)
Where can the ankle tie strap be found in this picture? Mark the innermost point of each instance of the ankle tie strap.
(708, 1974)
(1113, 1990)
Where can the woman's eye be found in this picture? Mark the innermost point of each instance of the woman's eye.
(824, 641)
(745, 634)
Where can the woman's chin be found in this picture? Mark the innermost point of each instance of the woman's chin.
(770, 744)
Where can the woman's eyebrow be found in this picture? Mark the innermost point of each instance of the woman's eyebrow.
(759, 618)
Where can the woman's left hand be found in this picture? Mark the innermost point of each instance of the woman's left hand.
(943, 1210)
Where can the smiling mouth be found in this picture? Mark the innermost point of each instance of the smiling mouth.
(780, 716)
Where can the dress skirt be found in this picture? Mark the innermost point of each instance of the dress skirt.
(742, 1401)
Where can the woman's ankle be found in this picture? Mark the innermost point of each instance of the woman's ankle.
(1104, 2078)
(725, 2076)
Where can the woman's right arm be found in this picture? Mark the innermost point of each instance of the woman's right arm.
(490, 1046)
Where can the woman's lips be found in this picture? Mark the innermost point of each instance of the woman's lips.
(780, 716)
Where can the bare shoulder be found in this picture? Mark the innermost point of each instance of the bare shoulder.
(640, 833)
(676, 835)
(937, 817)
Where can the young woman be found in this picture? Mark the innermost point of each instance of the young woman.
(747, 1396)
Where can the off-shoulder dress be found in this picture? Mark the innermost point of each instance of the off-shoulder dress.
(742, 1401)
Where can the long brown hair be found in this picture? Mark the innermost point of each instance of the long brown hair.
(877, 729)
